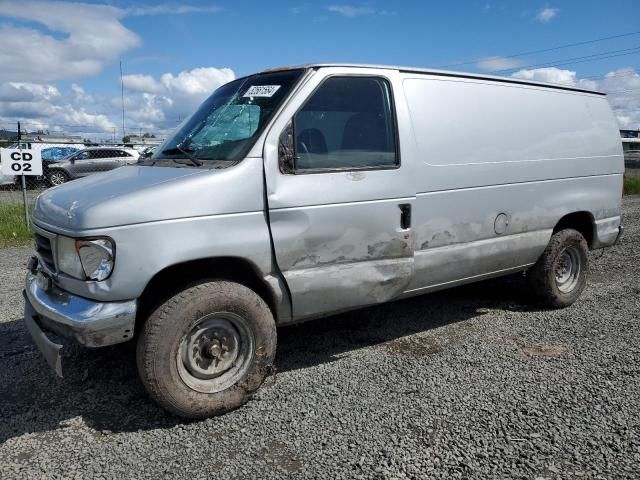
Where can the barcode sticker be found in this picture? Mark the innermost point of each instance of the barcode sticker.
(261, 91)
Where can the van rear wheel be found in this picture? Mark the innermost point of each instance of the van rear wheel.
(207, 349)
(560, 274)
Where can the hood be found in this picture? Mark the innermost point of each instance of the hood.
(137, 194)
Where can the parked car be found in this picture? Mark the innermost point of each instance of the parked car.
(296, 193)
(7, 179)
(88, 161)
(49, 154)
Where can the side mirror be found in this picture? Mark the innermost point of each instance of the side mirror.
(286, 150)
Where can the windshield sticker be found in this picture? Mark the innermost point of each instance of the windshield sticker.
(261, 91)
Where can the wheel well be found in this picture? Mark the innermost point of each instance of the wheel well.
(175, 277)
(580, 221)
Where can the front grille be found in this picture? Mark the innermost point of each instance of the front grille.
(43, 248)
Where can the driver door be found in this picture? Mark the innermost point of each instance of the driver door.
(339, 199)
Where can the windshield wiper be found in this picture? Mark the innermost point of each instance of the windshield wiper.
(187, 152)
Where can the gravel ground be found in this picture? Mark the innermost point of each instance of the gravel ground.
(469, 383)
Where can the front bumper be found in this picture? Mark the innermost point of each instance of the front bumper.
(90, 323)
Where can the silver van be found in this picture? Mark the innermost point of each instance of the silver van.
(299, 192)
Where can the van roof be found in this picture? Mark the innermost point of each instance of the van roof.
(440, 73)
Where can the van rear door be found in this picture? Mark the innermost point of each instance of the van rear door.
(339, 199)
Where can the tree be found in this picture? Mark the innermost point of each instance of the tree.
(148, 135)
(126, 139)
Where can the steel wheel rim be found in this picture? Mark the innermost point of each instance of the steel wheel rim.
(216, 352)
(567, 269)
(56, 178)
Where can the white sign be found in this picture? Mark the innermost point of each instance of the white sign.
(261, 91)
(21, 162)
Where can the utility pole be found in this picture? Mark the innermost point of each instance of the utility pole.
(122, 94)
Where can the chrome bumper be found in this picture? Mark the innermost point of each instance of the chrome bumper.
(90, 323)
(49, 349)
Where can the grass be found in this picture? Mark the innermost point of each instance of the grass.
(632, 185)
(13, 231)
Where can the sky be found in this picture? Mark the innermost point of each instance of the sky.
(59, 60)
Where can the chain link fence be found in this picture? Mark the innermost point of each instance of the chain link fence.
(632, 161)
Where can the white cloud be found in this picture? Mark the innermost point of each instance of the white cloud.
(141, 83)
(43, 106)
(622, 87)
(92, 37)
(45, 41)
(45, 92)
(151, 104)
(623, 91)
(549, 75)
(491, 64)
(161, 102)
(57, 40)
(351, 10)
(67, 115)
(199, 82)
(79, 95)
(156, 104)
(546, 14)
(297, 10)
(14, 93)
(171, 9)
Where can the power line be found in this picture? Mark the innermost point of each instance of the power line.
(531, 52)
(602, 76)
(573, 60)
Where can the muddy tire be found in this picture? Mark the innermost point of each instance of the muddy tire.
(207, 349)
(560, 274)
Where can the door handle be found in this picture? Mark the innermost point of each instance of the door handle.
(405, 215)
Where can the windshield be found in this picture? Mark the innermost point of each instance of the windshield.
(226, 125)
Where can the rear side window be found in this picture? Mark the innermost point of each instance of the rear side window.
(347, 123)
(99, 154)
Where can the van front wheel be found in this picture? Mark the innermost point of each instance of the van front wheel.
(207, 349)
(560, 274)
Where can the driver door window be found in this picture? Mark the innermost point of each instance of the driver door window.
(347, 123)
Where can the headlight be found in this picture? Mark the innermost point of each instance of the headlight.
(96, 257)
(68, 259)
(86, 259)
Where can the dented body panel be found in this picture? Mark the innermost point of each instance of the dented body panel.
(486, 169)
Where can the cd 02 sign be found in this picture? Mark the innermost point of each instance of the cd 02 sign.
(21, 162)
